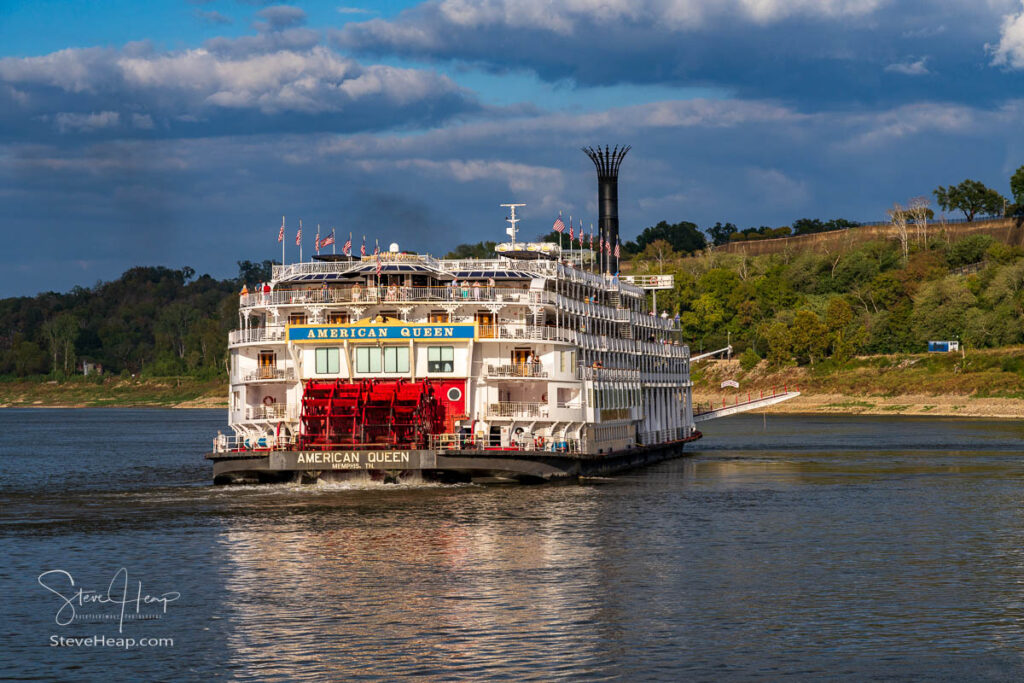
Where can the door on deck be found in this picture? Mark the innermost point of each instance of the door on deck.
(267, 364)
(485, 325)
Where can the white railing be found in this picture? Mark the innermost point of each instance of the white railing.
(517, 409)
(608, 374)
(224, 443)
(330, 267)
(552, 444)
(256, 334)
(651, 281)
(270, 374)
(522, 331)
(275, 411)
(364, 295)
(525, 370)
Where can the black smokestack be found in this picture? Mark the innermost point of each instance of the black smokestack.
(607, 163)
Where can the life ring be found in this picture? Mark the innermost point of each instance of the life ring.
(269, 400)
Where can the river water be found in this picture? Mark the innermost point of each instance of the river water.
(794, 547)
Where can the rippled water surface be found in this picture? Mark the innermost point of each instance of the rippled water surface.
(800, 547)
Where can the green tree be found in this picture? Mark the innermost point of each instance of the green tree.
(683, 236)
(720, 232)
(843, 333)
(478, 250)
(1017, 186)
(251, 272)
(779, 340)
(809, 335)
(971, 197)
(61, 332)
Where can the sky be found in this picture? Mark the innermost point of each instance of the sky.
(179, 132)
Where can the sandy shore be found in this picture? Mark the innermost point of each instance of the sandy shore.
(907, 404)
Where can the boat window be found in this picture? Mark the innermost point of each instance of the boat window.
(368, 359)
(328, 361)
(396, 359)
(441, 359)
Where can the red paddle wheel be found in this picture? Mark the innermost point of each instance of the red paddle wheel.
(369, 414)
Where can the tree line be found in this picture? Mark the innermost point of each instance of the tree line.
(152, 320)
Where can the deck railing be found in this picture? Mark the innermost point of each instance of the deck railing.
(275, 411)
(524, 331)
(514, 442)
(269, 374)
(517, 409)
(256, 334)
(224, 443)
(525, 370)
(374, 295)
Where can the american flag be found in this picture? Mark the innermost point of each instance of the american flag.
(600, 246)
(376, 252)
(327, 241)
(581, 233)
(608, 247)
(618, 253)
(347, 249)
(572, 235)
(280, 233)
(316, 242)
(559, 226)
(298, 235)
(362, 249)
(591, 236)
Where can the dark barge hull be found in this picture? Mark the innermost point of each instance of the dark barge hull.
(445, 465)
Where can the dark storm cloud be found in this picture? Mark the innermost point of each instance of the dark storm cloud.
(208, 203)
(817, 53)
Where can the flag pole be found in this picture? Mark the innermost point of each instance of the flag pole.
(284, 238)
(300, 240)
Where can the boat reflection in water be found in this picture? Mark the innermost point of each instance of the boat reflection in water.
(417, 580)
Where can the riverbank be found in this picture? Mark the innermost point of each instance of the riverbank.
(985, 383)
(84, 392)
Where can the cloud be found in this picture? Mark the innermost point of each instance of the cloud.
(211, 17)
(816, 53)
(68, 122)
(205, 91)
(355, 10)
(280, 17)
(909, 68)
(143, 121)
(1010, 50)
(749, 162)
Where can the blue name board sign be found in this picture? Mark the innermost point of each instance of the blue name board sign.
(320, 333)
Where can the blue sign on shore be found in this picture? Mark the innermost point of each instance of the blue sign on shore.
(320, 333)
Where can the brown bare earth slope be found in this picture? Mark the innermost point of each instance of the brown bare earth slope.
(986, 383)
